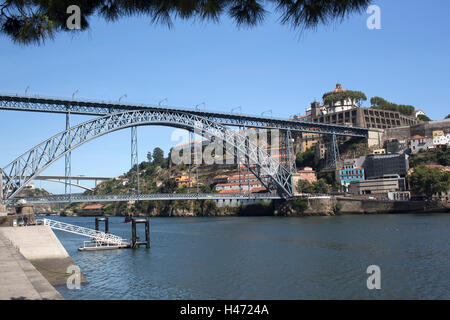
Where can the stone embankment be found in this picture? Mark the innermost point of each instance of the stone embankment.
(346, 205)
(19, 279)
(40, 246)
(316, 207)
(365, 206)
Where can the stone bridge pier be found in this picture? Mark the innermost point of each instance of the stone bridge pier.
(3, 211)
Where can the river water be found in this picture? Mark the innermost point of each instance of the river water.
(269, 258)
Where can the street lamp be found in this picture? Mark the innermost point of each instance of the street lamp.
(124, 96)
(73, 94)
(196, 106)
(239, 107)
(166, 100)
(26, 90)
(267, 111)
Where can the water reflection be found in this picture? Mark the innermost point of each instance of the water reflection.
(270, 258)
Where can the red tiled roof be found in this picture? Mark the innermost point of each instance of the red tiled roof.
(243, 183)
(235, 191)
(93, 207)
(338, 89)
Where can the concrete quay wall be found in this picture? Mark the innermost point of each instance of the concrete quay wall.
(42, 248)
(362, 206)
(19, 279)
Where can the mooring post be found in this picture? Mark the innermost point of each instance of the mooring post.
(147, 233)
(133, 233)
(106, 225)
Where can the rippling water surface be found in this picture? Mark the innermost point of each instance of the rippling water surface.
(269, 258)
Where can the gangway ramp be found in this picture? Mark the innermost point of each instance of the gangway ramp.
(95, 235)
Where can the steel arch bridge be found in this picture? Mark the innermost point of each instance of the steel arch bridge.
(101, 108)
(17, 174)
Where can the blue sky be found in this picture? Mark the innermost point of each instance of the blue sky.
(270, 67)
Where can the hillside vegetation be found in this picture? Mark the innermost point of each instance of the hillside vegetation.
(158, 176)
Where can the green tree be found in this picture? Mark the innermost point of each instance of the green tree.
(329, 177)
(307, 159)
(35, 21)
(149, 156)
(423, 117)
(320, 186)
(343, 96)
(303, 186)
(168, 186)
(380, 103)
(158, 156)
(429, 181)
(434, 156)
(448, 116)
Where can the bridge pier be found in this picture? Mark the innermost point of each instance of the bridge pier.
(3, 211)
(135, 237)
(106, 220)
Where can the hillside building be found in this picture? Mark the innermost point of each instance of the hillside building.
(418, 143)
(348, 173)
(348, 113)
(380, 166)
(241, 183)
(382, 186)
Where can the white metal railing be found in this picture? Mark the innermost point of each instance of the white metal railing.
(99, 236)
(97, 244)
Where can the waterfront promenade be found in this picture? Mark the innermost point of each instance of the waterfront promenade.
(19, 279)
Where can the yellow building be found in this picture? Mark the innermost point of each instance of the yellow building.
(309, 140)
(183, 180)
(438, 133)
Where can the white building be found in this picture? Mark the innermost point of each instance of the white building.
(418, 143)
(418, 113)
(443, 140)
(338, 106)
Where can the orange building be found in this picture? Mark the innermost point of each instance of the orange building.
(308, 174)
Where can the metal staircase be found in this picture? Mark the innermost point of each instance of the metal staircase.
(97, 236)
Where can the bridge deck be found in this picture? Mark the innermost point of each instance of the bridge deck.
(101, 108)
(148, 197)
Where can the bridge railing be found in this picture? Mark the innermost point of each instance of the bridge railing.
(99, 236)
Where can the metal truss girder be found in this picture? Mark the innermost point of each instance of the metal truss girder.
(38, 104)
(148, 197)
(134, 159)
(17, 174)
(332, 156)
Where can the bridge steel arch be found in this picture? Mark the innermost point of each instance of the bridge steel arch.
(71, 183)
(17, 174)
